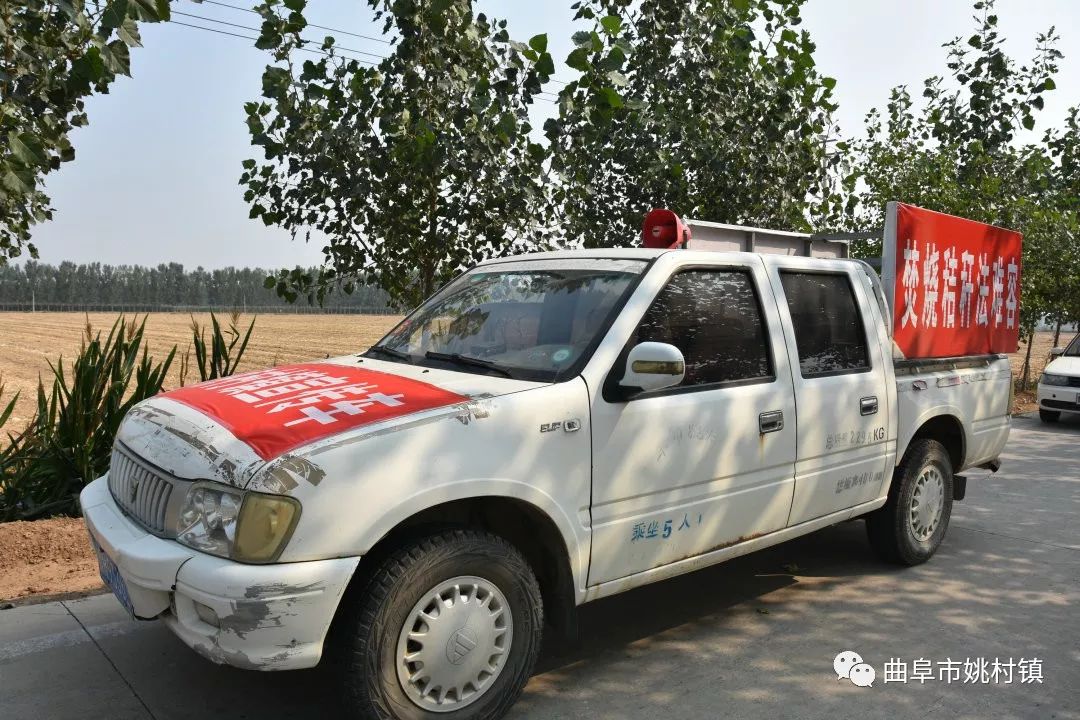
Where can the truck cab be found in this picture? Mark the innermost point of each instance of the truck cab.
(546, 430)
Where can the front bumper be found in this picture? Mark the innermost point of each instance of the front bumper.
(261, 617)
(1062, 398)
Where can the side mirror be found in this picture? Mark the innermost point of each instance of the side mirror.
(1057, 352)
(653, 366)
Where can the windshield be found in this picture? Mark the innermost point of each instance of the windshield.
(527, 319)
(1074, 348)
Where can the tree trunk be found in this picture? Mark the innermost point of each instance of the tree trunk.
(1057, 333)
(427, 283)
(1027, 360)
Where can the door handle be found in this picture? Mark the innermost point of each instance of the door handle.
(769, 422)
(868, 405)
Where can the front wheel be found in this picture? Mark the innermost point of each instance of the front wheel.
(448, 627)
(1049, 416)
(912, 524)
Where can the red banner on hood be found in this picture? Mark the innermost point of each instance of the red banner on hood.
(276, 410)
(955, 284)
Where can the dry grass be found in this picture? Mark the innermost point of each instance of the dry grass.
(28, 341)
(1040, 358)
(1040, 354)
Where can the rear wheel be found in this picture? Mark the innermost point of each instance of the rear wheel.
(1049, 416)
(447, 627)
(912, 524)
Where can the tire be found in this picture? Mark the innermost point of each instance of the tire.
(373, 635)
(1049, 416)
(894, 533)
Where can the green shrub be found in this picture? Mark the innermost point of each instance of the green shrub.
(7, 451)
(8, 409)
(224, 356)
(69, 441)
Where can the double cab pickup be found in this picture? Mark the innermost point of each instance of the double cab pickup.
(546, 430)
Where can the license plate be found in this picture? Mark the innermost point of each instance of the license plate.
(110, 574)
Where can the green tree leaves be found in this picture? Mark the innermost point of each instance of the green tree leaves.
(415, 168)
(28, 150)
(611, 24)
(427, 163)
(52, 56)
(965, 151)
(682, 105)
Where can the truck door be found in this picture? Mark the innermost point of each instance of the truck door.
(685, 470)
(840, 386)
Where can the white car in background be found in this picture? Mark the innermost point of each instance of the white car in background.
(1059, 386)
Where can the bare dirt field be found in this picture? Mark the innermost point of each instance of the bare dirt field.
(29, 341)
(51, 557)
(46, 557)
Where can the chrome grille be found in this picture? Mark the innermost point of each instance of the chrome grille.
(142, 491)
(1074, 381)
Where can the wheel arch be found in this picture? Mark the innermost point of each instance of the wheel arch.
(535, 531)
(947, 429)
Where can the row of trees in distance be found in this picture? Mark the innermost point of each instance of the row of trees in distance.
(134, 286)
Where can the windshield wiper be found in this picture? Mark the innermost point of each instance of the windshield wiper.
(459, 359)
(390, 352)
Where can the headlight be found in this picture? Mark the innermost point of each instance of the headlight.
(245, 526)
(1048, 379)
(266, 522)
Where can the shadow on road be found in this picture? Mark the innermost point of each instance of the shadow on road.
(755, 637)
(169, 677)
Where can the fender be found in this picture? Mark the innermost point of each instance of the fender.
(926, 416)
(575, 536)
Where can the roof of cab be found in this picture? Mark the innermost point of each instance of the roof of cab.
(613, 253)
(705, 257)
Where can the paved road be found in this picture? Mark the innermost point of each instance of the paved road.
(754, 638)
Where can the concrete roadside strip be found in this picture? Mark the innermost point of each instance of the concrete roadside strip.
(67, 638)
(753, 638)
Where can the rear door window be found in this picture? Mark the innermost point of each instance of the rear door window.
(829, 330)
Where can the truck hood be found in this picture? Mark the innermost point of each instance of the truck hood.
(1064, 366)
(227, 430)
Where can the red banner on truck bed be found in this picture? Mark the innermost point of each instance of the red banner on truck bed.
(955, 283)
(276, 410)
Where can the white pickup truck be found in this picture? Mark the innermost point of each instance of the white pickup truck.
(546, 430)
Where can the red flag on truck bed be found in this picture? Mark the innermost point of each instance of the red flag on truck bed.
(955, 283)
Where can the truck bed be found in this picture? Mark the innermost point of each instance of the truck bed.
(975, 392)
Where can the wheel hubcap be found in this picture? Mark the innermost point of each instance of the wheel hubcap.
(927, 503)
(454, 643)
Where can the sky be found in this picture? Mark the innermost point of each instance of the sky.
(155, 177)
